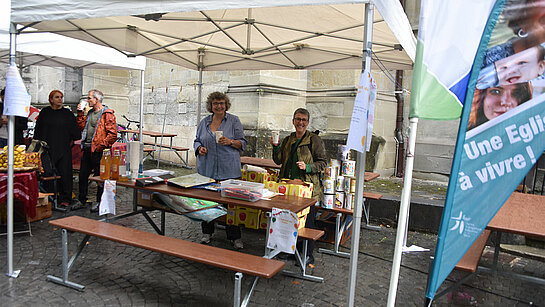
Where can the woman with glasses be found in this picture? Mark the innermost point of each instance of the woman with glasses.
(219, 141)
(57, 126)
(302, 156)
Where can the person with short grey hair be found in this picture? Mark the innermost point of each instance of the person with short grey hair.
(99, 132)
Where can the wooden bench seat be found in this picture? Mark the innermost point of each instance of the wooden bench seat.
(470, 261)
(210, 255)
(176, 148)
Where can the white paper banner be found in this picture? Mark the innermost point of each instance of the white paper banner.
(107, 201)
(362, 114)
(17, 98)
(283, 231)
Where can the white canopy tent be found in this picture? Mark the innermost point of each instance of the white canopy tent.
(47, 49)
(239, 35)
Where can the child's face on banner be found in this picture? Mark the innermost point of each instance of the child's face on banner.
(499, 100)
(520, 67)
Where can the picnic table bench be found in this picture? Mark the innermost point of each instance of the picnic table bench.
(222, 258)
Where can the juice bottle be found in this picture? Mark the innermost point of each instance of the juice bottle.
(114, 169)
(123, 176)
(105, 163)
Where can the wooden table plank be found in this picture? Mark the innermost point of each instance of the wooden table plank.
(521, 214)
(149, 133)
(292, 203)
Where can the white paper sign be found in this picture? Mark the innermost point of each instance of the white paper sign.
(17, 98)
(362, 113)
(107, 201)
(283, 230)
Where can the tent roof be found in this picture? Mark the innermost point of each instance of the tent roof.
(232, 35)
(47, 49)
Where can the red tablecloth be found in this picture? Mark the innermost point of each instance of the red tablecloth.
(25, 190)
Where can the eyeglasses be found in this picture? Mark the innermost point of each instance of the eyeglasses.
(298, 119)
(217, 103)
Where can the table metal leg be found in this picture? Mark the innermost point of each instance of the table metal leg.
(339, 230)
(236, 295)
(303, 263)
(366, 209)
(66, 265)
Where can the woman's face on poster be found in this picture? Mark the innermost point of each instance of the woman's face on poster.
(520, 67)
(499, 100)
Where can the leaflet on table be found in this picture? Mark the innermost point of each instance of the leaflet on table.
(189, 181)
(107, 201)
(283, 230)
(195, 209)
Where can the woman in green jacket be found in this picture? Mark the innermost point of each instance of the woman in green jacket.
(302, 156)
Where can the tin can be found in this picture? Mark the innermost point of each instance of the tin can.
(328, 173)
(353, 185)
(349, 199)
(348, 168)
(346, 185)
(329, 186)
(339, 200)
(335, 171)
(343, 153)
(334, 162)
(340, 184)
(328, 201)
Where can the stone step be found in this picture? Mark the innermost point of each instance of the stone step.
(524, 251)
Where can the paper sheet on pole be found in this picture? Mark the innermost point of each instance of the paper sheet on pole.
(17, 98)
(361, 114)
(107, 201)
(283, 230)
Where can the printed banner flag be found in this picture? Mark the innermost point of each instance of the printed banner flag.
(361, 124)
(502, 129)
(444, 56)
(17, 98)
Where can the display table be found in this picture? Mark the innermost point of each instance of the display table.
(25, 190)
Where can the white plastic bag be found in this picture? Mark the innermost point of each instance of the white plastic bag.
(107, 201)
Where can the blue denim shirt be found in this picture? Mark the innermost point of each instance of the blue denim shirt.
(221, 162)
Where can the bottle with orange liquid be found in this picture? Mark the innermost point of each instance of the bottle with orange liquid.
(105, 164)
(123, 176)
(114, 169)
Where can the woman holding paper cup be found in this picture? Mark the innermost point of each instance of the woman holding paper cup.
(303, 156)
(219, 141)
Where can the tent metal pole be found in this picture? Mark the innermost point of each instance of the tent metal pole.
(403, 213)
(199, 85)
(11, 142)
(140, 129)
(360, 165)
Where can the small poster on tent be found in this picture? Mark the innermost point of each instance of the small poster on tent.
(17, 98)
(361, 123)
(283, 231)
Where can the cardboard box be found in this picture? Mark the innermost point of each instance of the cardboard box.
(144, 199)
(247, 217)
(43, 208)
(231, 217)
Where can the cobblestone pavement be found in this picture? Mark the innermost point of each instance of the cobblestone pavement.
(118, 275)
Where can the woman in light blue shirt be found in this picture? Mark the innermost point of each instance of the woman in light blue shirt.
(219, 159)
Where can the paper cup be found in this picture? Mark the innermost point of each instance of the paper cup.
(218, 134)
(82, 104)
(275, 137)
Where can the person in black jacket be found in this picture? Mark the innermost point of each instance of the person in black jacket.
(20, 125)
(57, 126)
